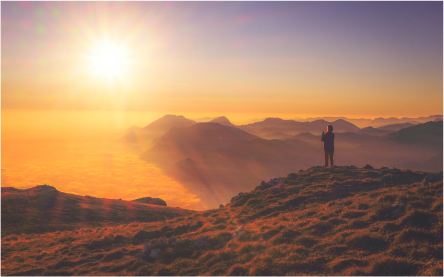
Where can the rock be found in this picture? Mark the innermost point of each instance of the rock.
(155, 253)
(263, 185)
(352, 166)
(235, 198)
(301, 170)
(274, 181)
(221, 206)
(367, 166)
(153, 201)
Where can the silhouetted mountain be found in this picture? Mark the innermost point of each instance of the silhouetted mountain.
(45, 209)
(271, 125)
(141, 138)
(181, 143)
(168, 121)
(215, 161)
(223, 120)
(427, 135)
(373, 131)
(396, 127)
(378, 122)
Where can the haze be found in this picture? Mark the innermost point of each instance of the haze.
(245, 60)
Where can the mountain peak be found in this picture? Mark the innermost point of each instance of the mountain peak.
(169, 121)
(222, 120)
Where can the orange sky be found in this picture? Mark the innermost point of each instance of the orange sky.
(291, 58)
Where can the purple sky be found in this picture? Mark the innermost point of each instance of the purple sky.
(317, 58)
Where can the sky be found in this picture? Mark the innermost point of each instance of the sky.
(361, 59)
(75, 75)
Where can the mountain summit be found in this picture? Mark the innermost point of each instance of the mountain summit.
(168, 121)
(223, 120)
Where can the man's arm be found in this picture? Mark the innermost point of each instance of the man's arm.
(322, 137)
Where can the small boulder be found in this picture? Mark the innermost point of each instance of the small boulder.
(274, 181)
(221, 206)
(263, 185)
(153, 201)
(367, 166)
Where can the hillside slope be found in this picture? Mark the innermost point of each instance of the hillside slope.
(321, 221)
(45, 209)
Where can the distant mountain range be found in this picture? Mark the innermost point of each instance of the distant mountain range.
(272, 125)
(273, 128)
(377, 122)
(215, 161)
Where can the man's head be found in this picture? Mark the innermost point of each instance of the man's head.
(330, 128)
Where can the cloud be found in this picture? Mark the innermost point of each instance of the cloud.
(114, 174)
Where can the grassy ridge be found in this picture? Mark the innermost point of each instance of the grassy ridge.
(44, 209)
(322, 221)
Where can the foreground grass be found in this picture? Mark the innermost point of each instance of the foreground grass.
(322, 221)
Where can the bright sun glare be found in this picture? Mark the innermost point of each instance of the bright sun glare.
(109, 61)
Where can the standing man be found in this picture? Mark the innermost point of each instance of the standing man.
(329, 144)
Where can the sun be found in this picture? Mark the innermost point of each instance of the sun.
(109, 61)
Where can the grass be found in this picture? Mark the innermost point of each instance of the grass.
(362, 226)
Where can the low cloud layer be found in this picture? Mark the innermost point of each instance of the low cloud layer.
(98, 168)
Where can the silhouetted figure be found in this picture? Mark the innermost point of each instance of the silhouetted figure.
(329, 144)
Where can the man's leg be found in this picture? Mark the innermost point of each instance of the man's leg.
(326, 158)
(331, 158)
